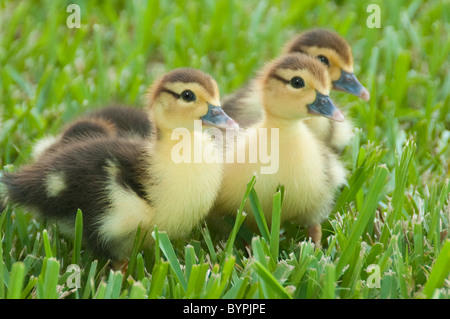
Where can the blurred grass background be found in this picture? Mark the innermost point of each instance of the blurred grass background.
(395, 209)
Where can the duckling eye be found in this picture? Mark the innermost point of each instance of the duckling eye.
(188, 96)
(297, 82)
(324, 60)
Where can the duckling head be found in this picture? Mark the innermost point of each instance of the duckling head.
(335, 53)
(184, 95)
(297, 86)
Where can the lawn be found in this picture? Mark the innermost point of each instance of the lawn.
(388, 236)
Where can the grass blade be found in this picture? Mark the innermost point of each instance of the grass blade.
(366, 214)
(235, 291)
(47, 246)
(389, 286)
(90, 281)
(138, 291)
(16, 281)
(159, 274)
(196, 280)
(140, 267)
(240, 217)
(189, 259)
(51, 279)
(29, 287)
(134, 252)
(259, 214)
(113, 288)
(209, 243)
(275, 226)
(329, 285)
(101, 291)
(271, 282)
(401, 176)
(168, 251)
(78, 237)
(225, 275)
(439, 272)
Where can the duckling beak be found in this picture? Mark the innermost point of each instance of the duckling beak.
(349, 83)
(217, 117)
(323, 106)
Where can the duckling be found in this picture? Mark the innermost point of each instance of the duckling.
(336, 54)
(120, 183)
(292, 89)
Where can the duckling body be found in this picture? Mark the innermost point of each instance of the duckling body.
(308, 170)
(93, 176)
(121, 183)
(335, 53)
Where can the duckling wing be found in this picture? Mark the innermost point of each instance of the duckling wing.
(127, 121)
(110, 121)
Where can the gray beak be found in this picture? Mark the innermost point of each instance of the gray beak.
(218, 118)
(350, 84)
(323, 106)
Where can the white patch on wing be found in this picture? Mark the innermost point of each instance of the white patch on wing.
(42, 145)
(55, 184)
(126, 212)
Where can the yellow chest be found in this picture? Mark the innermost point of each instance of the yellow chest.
(179, 196)
(182, 193)
(301, 169)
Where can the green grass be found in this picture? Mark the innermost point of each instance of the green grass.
(393, 215)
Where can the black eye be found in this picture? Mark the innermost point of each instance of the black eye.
(188, 96)
(297, 82)
(324, 60)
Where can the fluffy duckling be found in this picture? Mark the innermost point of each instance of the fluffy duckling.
(336, 54)
(292, 88)
(122, 183)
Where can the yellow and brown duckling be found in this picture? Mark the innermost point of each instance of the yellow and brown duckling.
(292, 89)
(336, 54)
(121, 183)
